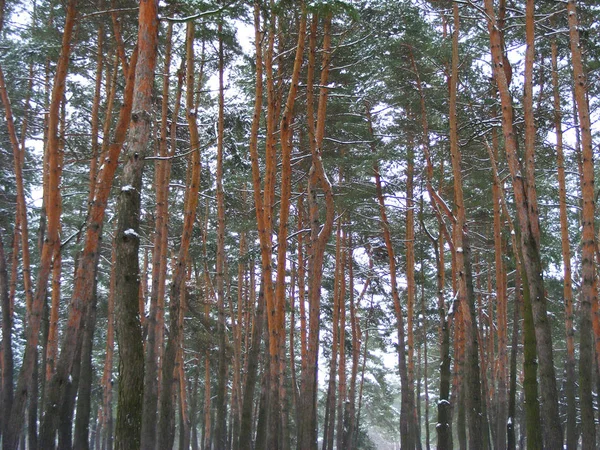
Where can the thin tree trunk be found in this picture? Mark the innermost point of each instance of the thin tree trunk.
(166, 410)
(245, 438)
(330, 412)
(350, 409)
(273, 405)
(466, 296)
(407, 426)
(107, 383)
(236, 400)
(424, 329)
(589, 300)
(501, 311)
(162, 169)
(84, 396)
(7, 352)
(341, 399)
(410, 279)
(22, 391)
(444, 428)
(222, 381)
(511, 423)
(570, 388)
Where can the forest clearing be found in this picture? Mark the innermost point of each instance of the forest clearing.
(299, 224)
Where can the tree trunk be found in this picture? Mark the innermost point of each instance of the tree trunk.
(511, 423)
(330, 411)
(341, 399)
(129, 332)
(166, 410)
(307, 438)
(84, 396)
(107, 383)
(22, 391)
(222, 378)
(410, 276)
(245, 438)
(7, 352)
(570, 388)
(501, 311)
(589, 299)
(529, 243)
(466, 295)
(407, 425)
(84, 279)
(350, 408)
(277, 313)
(162, 171)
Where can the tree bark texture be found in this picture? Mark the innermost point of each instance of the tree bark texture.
(127, 283)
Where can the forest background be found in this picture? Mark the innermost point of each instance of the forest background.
(311, 224)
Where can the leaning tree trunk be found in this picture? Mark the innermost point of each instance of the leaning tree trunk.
(22, 392)
(84, 279)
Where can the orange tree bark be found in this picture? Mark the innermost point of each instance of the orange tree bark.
(81, 431)
(501, 311)
(129, 332)
(245, 439)
(466, 295)
(589, 300)
(530, 245)
(410, 265)
(84, 278)
(570, 388)
(307, 429)
(52, 237)
(162, 171)
(52, 344)
(166, 410)
(273, 404)
(21, 229)
(21, 219)
(277, 314)
(263, 203)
